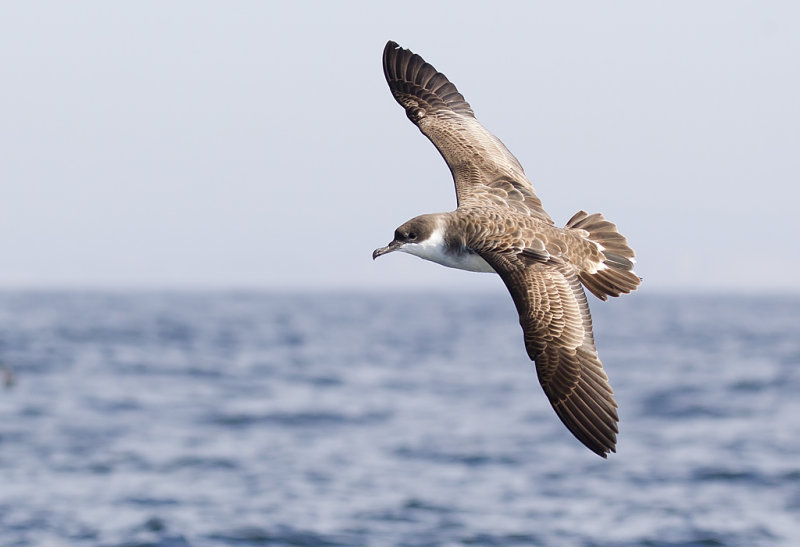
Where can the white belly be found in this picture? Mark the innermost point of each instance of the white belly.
(468, 261)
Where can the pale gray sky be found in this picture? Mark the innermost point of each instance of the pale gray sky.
(255, 144)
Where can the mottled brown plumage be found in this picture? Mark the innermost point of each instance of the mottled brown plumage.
(500, 226)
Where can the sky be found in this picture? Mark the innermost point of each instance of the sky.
(255, 145)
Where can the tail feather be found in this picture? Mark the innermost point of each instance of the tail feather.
(614, 276)
(617, 261)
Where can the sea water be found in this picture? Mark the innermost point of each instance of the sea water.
(173, 419)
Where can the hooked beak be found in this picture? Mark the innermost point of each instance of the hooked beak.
(393, 246)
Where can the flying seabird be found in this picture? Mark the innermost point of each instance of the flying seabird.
(500, 226)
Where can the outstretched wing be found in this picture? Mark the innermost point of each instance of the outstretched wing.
(557, 327)
(484, 171)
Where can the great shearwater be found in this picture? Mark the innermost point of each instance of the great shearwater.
(499, 226)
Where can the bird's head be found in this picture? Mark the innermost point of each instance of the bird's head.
(410, 236)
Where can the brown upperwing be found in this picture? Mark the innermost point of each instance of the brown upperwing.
(557, 328)
(483, 169)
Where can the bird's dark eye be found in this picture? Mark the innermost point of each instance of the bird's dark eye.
(412, 236)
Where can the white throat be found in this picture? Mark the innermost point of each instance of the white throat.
(435, 250)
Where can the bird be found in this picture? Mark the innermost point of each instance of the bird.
(500, 226)
(8, 377)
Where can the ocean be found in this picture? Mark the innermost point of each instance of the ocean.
(246, 418)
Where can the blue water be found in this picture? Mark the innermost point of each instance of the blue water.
(359, 419)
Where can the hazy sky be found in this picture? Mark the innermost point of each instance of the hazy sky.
(256, 144)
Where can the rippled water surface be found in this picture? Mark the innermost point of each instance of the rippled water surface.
(357, 419)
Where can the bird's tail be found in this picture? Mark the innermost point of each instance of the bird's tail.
(614, 275)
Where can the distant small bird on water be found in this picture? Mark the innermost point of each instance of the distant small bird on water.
(500, 226)
(8, 376)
